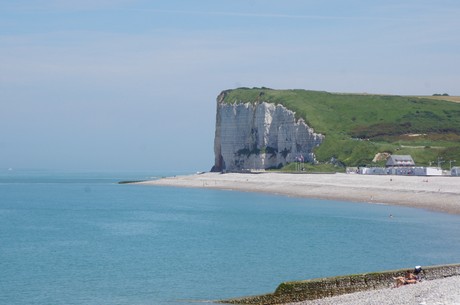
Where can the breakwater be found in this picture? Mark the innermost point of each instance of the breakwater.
(326, 287)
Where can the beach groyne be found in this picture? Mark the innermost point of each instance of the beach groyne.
(298, 291)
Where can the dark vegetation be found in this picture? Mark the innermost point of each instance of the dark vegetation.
(357, 126)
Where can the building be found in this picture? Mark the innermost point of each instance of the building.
(400, 161)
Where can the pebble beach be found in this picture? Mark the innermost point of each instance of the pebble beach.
(444, 291)
(436, 193)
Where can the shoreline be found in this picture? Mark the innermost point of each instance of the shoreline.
(349, 289)
(434, 193)
(441, 291)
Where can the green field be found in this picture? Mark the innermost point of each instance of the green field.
(358, 126)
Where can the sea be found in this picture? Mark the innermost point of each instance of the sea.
(76, 237)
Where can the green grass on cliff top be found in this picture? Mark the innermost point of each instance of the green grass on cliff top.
(357, 126)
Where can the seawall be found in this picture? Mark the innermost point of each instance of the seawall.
(325, 287)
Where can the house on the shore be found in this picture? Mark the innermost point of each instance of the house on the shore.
(403, 165)
(400, 161)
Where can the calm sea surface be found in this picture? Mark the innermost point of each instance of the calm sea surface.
(81, 238)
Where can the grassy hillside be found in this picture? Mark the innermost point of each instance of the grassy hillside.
(357, 126)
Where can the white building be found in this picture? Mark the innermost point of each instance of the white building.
(400, 161)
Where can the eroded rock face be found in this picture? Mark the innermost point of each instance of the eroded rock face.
(260, 136)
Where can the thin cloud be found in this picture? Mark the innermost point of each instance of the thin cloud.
(128, 5)
(266, 15)
(66, 5)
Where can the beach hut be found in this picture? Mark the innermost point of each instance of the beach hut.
(455, 171)
(400, 161)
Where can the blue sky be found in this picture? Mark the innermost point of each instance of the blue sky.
(131, 85)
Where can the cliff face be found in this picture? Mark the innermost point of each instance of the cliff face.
(260, 136)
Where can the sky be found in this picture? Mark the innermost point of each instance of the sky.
(132, 84)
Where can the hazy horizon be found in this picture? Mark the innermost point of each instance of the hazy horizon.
(132, 85)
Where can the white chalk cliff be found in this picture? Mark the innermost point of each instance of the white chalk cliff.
(259, 136)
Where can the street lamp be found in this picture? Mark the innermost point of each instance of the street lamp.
(450, 162)
(440, 161)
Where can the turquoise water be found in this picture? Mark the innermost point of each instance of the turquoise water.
(80, 238)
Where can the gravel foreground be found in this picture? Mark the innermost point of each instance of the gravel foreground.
(435, 292)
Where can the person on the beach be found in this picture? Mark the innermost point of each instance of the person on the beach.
(418, 273)
(408, 278)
